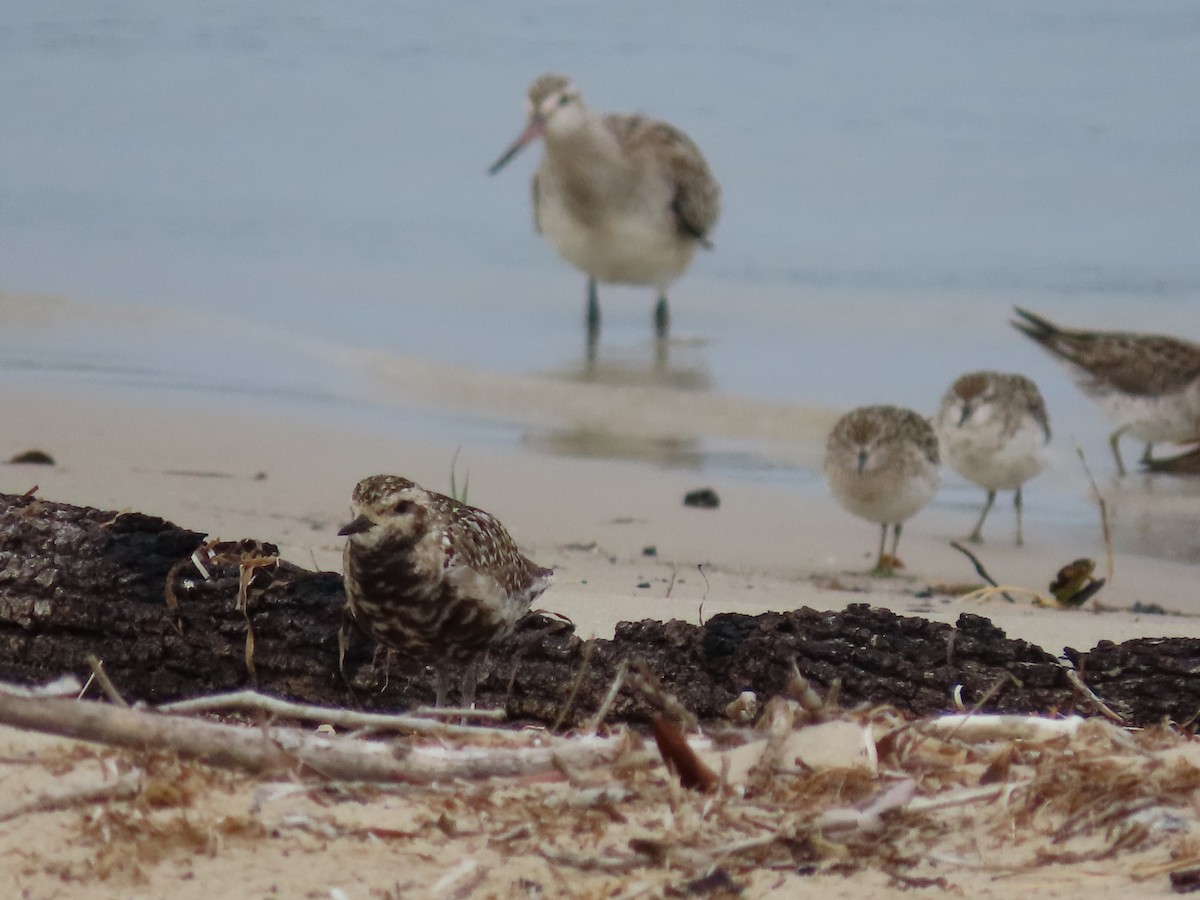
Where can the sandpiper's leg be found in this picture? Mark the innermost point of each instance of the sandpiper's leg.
(593, 320)
(1018, 504)
(662, 318)
(976, 536)
(1112, 442)
(882, 566)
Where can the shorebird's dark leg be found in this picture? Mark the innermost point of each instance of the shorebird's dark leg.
(976, 536)
(1146, 456)
(1112, 442)
(884, 566)
(662, 318)
(1018, 505)
(593, 320)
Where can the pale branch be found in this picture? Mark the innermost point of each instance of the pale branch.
(271, 750)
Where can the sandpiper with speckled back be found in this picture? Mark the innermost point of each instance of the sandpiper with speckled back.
(881, 463)
(433, 578)
(994, 428)
(1149, 384)
(623, 198)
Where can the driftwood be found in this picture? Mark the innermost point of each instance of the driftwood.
(172, 617)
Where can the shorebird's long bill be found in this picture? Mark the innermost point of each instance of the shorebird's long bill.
(358, 526)
(532, 132)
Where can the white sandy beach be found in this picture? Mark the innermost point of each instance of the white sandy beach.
(239, 474)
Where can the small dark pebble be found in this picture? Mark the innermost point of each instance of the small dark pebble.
(704, 498)
(1148, 609)
(33, 457)
(643, 585)
(649, 551)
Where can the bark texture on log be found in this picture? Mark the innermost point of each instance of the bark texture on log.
(123, 587)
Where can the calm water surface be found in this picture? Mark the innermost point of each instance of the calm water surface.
(238, 195)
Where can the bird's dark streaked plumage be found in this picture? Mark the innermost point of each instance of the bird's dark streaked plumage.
(1149, 384)
(433, 578)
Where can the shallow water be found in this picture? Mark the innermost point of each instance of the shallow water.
(235, 200)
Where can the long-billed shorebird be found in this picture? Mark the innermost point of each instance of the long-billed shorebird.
(1148, 384)
(993, 429)
(623, 198)
(881, 463)
(433, 578)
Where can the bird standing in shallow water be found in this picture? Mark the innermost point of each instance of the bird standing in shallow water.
(1149, 384)
(993, 429)
(433, 578)
(881, 463)
(624, 199)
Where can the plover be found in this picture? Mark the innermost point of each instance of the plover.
(433, 578)
(881, 463)
(994, 429)
(623, 198)
(1148, 384)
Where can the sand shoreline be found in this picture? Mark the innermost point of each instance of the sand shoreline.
(624, 547)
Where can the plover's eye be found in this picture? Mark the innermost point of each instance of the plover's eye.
(563, 99)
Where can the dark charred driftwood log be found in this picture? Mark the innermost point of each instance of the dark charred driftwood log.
(173, 617)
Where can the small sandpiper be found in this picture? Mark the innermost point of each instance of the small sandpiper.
(1148, 384)
(994, 430)
(881, 463)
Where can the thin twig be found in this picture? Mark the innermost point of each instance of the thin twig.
(1092, 696)
(584, 664)
(106, 685)
(1105, 530)
(59, 797)
(609, 698)
(341, 718)
(983, 573)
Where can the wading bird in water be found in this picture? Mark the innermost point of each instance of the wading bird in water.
(623, 198)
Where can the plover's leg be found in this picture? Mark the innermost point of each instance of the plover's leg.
(1018, 504)
(1112, 442)
(343, 644)
(662, 318)
(976, 536)
(470, 680)
(593, 320)
(442, 688)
